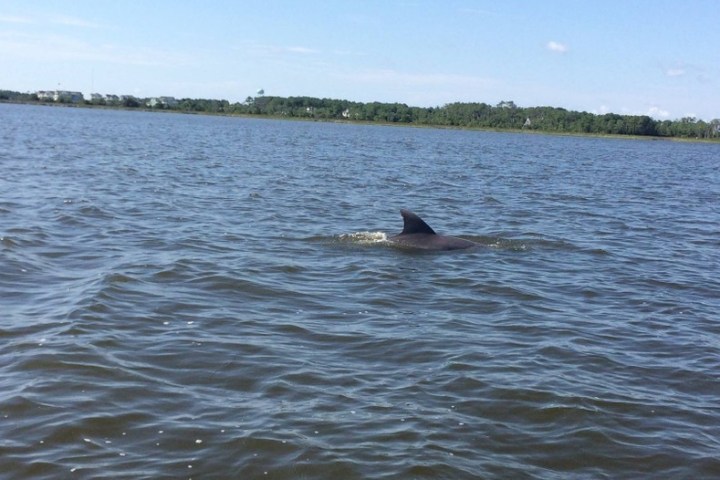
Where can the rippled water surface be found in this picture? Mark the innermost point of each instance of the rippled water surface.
(207, 297)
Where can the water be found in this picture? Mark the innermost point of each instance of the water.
(208, 297)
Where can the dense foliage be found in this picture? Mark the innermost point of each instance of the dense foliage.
(505, 115)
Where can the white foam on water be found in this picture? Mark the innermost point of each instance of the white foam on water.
(364, 238)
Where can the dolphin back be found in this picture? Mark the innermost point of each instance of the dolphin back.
(418, 234)
(414, 224)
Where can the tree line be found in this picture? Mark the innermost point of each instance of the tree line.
(506, 115)
(503, 116)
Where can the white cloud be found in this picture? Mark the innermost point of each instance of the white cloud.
(675, 72)
(265, 50)
(557, 47)
(394, 77)
(69, 21)
(300, 50)
(475, 11)
(658, 113)
(24, 46)
(14, 19)
(348, 53)
(412, 88)
(602, 110)
(62, 20)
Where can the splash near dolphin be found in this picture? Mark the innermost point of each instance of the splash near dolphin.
(418, 234)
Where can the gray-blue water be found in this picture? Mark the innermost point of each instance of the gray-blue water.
(211, 298)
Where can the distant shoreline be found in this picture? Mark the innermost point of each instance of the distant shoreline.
(250, 109)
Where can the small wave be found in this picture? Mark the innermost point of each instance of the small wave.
(362, 238)
(513, 245)
(8, 242)
(529, 243)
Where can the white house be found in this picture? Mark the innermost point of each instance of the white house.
(60, 96)
(163, 101)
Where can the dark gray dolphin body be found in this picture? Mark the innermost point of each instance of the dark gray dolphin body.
(418, 234)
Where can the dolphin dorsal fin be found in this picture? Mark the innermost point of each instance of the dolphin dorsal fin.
(414, 224)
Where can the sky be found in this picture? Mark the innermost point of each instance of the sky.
(641, 57)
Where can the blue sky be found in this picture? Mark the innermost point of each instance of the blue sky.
(660, 58)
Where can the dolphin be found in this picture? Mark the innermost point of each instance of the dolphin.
(418, 234)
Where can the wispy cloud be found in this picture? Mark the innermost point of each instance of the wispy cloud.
(300, 50)
(15, 19)
(602, 110)
(680, 68)
(557, 47)
(392, 77)
(65, 48)
(653, 111)
(42, 19)
(348, 53)
(475, 11)
(675, 72)
(69, 21)
(657, 112)
(262, 49)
